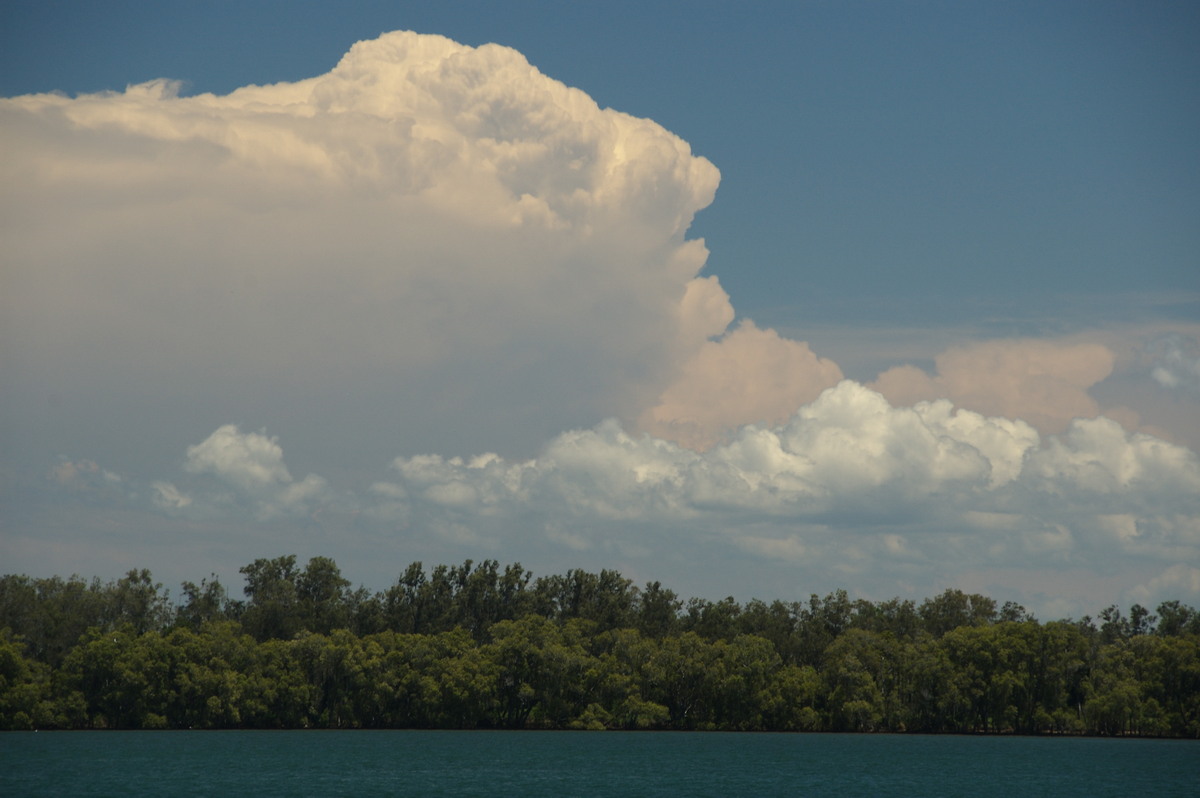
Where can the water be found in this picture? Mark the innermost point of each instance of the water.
(520, 764)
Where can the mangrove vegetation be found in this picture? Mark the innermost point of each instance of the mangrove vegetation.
(485, 646)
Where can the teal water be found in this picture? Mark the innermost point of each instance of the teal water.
(285, 763)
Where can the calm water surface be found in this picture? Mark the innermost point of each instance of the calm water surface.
(601, 764)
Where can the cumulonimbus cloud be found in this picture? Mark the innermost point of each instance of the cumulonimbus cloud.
(423, 211)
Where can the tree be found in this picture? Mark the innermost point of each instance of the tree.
(656, 610)
(271, 590)
(954, 608)
(204, 603)
(1175, 619)
(1141, 622)
(321, 595)
(1114, 627)
(137, 599)
(24, 685)
(713, 620)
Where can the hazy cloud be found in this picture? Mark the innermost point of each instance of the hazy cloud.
(747, 376)
(1178, 580)
(1043, 382)
(1176, 362)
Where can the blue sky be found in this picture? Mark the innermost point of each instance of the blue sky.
(991, 205)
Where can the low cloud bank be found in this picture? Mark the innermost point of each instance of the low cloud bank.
(850, 484)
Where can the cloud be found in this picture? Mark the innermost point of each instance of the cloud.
(427, 224)
(848, 478)
(747, 376)
(84, 475)
(166, 496)
(1043, 382)
(251, 462)
(1097, 456)
(850, 487)
(1179, 580)
(252, 465)
(85, 481)
(1176, 362)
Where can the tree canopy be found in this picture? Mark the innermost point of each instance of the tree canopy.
(485, 646)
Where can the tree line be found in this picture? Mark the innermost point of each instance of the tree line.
(480, 646)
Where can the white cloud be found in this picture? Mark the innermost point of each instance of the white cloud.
(84, 475)
(1098, 457)
(930, 483)
(849, 487)
(427, 224)
(251, 464)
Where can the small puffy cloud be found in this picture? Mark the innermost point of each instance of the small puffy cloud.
(252, 464)
(1042, 382)
(83, 481)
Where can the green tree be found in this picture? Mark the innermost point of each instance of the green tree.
(24, 685)
(1175, 618)
(272, 609)
(322, 597)
(136, 599)
(204, 603)
(678, 676)
(953, 609)
(656, 610)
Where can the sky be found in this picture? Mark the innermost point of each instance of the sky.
(760, 300)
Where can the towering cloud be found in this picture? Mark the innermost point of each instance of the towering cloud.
(441, 224)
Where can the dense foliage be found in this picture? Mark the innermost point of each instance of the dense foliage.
(477, 646)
